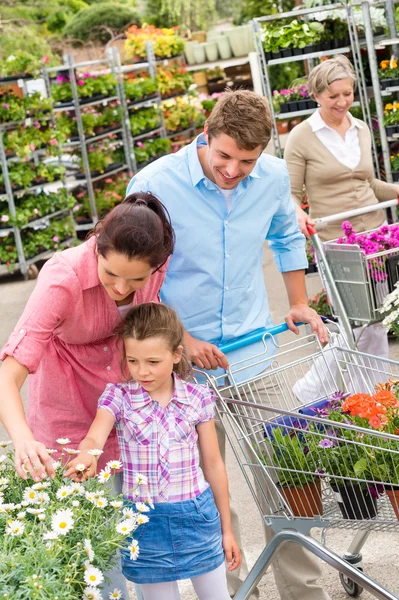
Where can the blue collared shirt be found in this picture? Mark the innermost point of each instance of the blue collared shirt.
(215, 279)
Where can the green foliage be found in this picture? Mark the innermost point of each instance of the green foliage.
(192, 14)
(296, 34)
(144, 120)
(295, 464)
(100, 22)
(34, 206)
(26, 38)
(140, 86)
(320, 304)
(151, 149)
(87, 86)
(250, 9)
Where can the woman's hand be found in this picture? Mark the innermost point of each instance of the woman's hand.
(33, 456)
(231, 550)
(75, 468)
(303, 221)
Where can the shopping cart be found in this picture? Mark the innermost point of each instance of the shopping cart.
(356, 283)
(268, 431)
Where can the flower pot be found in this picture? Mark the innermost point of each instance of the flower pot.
(199, 53)
(393, 494)
(304, 501)
(224, 47)
(239, 41)
(200, 78)
(312, 268)
(395, 175)
(297, 51)
(211, 51)
(354, 502)
(311, 104)
(391, 129)
(302, 104)
(199, 36)
(286, 52)
(284, 107)
(282, 127)
(189, 51)
(294, 122)
(292, 106)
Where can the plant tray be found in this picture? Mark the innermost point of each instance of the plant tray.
(15, 77)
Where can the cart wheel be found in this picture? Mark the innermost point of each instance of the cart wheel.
(351, 587)
(32, 272)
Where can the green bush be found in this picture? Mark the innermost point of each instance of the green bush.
(99, 20)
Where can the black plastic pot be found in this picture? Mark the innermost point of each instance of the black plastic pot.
(311, 104)
(391, 129)
(312, 268)
(302, 104)
(292, 106)
(286, 52)
(395, 175)
(297, 51)
(284, 107)
(325, 45)
(355, 502)
(277, 54)
(15, 77)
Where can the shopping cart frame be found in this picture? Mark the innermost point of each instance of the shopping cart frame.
(331, 282)
(296, 533)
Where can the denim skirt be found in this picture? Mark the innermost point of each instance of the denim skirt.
(181, 540)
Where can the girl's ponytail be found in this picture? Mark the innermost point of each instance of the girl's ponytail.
(139, 228)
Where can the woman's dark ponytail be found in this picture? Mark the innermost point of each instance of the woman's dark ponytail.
(139, 228)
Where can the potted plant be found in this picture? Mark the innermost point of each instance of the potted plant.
(173, 81)
(298, 482)
(388, 73)
(321, 305)
(178, 114)
(144, 120)
(391, 118)
(21, 64)
(394, 159)
(141, 87)
(166, 42)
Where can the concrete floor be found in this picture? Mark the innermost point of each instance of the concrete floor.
(382, 550)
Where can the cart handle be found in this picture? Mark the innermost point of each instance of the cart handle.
(321, 223)
(251, 338)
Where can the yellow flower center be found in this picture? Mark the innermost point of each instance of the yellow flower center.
(63, 525)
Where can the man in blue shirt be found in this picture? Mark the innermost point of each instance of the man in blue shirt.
(225, 197)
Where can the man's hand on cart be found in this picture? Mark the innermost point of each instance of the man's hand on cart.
(302, 313)
(203, 354)
(303, 221)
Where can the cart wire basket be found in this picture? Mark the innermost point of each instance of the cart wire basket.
(307, 465)
(356, 283)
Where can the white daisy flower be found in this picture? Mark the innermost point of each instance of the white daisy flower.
(80, 467)
(51, 451)
(115, 595)
(4, 481)
(140, 479)
(42, 485)
(125, 527)
(149, 502)
(3, 457)
(30, 495)
(21, 515)
(129, 513)
(141, 519)
(63, 441)
(35, 511)
(77, 488)
(4, 508)
(98, 494)
(63, 492)
(89, 496)
(101, 503)
(71, 451)
(93, 576)
(134, 550)
(42, 498)
(62, 521)
(15, 528)
(75, 503)
(41, 517)
(4, 444)
(50, 535)
(141, 507)
(95, 452)
(25, 469)
(91, 593)
(56, 464)
(88, 548)
(114, 464)
(116, 504)
(104, 476)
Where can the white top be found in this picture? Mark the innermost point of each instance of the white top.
(347, 150)
(124, 309)
(228, 194)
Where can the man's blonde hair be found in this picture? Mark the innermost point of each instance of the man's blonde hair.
(323, 75)
(244, 116)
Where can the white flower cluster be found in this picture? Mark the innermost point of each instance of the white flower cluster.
(391, 306)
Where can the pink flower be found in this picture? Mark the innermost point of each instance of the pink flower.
(80, 82)
(5, 105)
(56, 238)
(140, 144)
(60, 79)
(32, 147)
(5, 218)
(45, 59)
(53, 142)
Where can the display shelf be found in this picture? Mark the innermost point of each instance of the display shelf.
(390, 90)
(319, 54)
(144, 104)
(95, 138)
(40, 220)
(45, 255)
(173, 134)
(35, 188)
(137, 138)
(298, 113)
(71, 106)
(224, 64)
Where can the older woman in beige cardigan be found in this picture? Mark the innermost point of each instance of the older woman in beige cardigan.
(330, 154)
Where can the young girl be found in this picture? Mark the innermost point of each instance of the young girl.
(159, 418)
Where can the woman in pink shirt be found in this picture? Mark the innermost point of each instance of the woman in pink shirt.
(64, 339)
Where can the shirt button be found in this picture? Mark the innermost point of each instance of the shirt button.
(108, 368)
(105, 348)
(226, 222)
(22, 331)
(224, 319)
(227, 255)
(226, 287)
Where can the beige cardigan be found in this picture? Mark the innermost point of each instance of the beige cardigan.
(331, 186)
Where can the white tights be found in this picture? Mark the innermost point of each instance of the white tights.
(210, 586)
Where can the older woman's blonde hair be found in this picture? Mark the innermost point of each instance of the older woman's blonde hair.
(323, 75)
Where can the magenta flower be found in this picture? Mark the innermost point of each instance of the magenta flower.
(80, 82)
(56, 238)
(140, 144)
(5, 105)
(60, 79)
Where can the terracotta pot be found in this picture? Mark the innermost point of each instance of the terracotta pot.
(294, 122)
(282, 127)
(393, 495)
(304, 501)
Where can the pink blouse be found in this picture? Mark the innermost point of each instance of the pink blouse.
(65, 339)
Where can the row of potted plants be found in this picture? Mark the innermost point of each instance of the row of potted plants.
(358, 467)
(284, 39)
(34, 206)
(36, 241)
(394, 159)
(147, 151)
(140, 87)
(103, 156)
(391, 118)
(388, 73)
(108, 193)
(166, 42)
(89, 87)
(94, 121)
(26, 174)
(13, 108)
(180, 114)
(25, 140)
(173, 80)
(293, 99)
(21, 64)
(144, 120)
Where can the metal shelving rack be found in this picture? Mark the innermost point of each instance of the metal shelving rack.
(354, 48)
(23, 264)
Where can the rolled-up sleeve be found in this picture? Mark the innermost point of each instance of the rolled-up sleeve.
(49, 305)
(208, 403)
(284, 236)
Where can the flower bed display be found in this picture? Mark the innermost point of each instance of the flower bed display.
(103, 156)
(173, 81)
(149, 150)
(57, 537)
(179, 114)
(89, 87)
(33, 206)
(293, 99)
(391, 118)
(26, 174)
(94, 121)
(140, 87)
(13, 108)
(108, 193)
(144, 120)
(166, 42)
(388, 73)
(21, 65)
(394, 159)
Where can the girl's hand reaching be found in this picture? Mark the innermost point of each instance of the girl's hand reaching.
(82, 467)
(232, 551)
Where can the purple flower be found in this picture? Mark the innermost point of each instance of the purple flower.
(376, 490)
(326, 443)
(56, 238)
(321, 412)
(5, 105)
